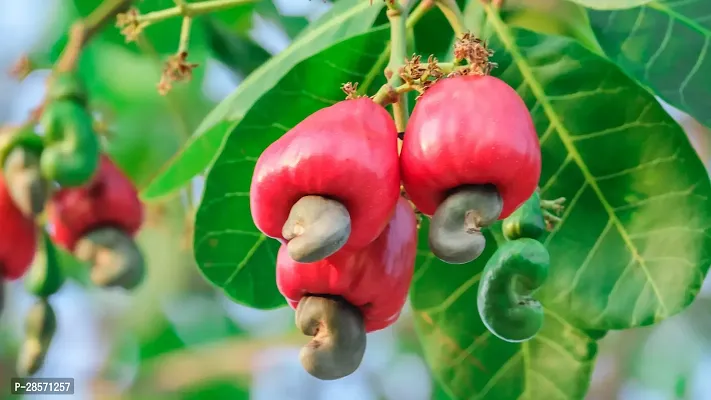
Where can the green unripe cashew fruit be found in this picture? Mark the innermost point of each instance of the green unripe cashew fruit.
(115, 258)
(316, 228)
(339, 338)
(455, 230)
(45, 276)
(20, 154)
(40, 326)
(509, 280)
(527, 221)
(72, 153)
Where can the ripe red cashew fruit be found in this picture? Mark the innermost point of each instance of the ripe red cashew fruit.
(18, 237)
(97, 223)
(470, 156)
(341, 298)
(331, 182)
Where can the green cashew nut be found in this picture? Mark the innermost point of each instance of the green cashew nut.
(40, 326)
(455, 230)
(45, 276)
(316, 228)
(527, 221)
(72, 154)
(115, 258)
(20, 160)
(510, 278)
(339, 339)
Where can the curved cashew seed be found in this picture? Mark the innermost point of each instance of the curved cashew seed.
(27, 188)
(114, 256)
(339, 339)
(316, 228)
(455, 230)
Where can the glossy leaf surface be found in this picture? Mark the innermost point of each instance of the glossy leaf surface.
(631, 250)
(664, 44)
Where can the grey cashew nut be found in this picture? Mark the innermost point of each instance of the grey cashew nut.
(339, 339)
(26, 186)
(455, 230)
(316, 228)
(115, 258)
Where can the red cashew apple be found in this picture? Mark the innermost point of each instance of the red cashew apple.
(330, 182)
(340, 298)
(470, 156)
(18, 237)
(97, 222)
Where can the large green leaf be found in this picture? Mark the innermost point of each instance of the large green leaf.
(610, 4)
(665, 45)
(346, 19)
(230, 251)
(553, 17)
(634, 244)
(631, 250)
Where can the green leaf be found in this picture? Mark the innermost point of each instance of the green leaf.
(632, 247)
(552, 17)
(665, 45)
(346, 19)
(468, 361)
(230, 251)
(610, 4)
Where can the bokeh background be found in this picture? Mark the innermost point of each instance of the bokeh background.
(178, 338)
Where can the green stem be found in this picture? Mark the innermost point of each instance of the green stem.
(191, 10)
(397, 15)
(185, 34)
(412, 19)
(454, 16)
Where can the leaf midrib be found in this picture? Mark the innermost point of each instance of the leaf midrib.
(681, 17)
(565, 137)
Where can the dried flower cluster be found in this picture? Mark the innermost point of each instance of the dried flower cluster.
(476, 53)
(129, 24)
(176, 69)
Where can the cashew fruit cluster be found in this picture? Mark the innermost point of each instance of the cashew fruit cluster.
(94, 210)
(67, 155)
(97, 223)
(330, 191)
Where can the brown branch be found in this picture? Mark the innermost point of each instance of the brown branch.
(84, 30)
(80, 34)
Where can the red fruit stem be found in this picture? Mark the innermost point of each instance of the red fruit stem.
(454, 16)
